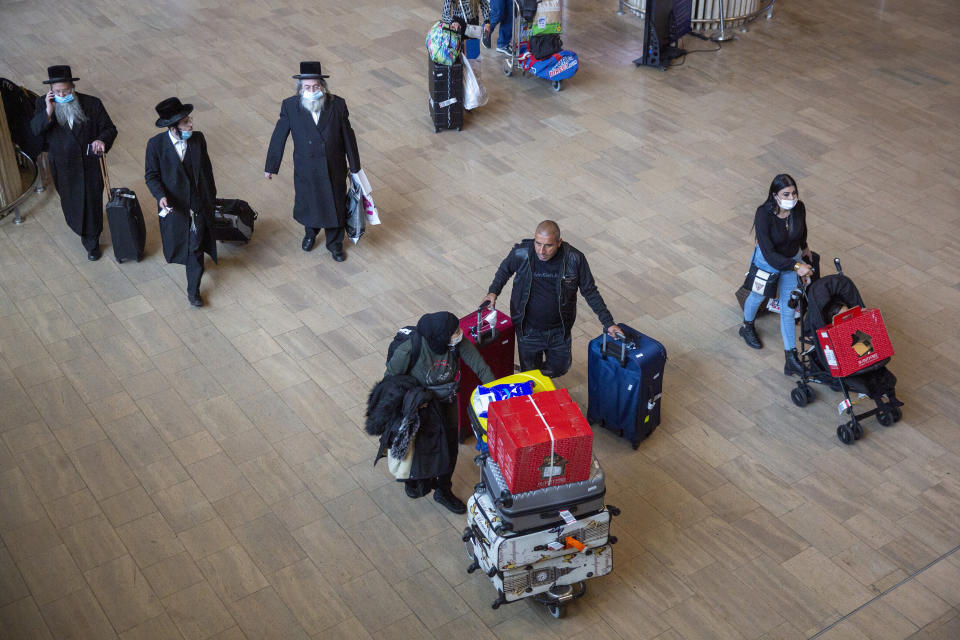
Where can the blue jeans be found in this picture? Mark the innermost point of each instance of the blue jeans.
(787, 283)
(548, 350)
(501, 12)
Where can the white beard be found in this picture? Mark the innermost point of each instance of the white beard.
(313, 106)
(69, 113)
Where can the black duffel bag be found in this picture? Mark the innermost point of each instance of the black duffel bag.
(544, 46)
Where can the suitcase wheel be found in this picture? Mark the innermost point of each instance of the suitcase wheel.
(614, 511)
(612, 539)
(436, 129)
(473, 567)
(556, 610)
(119, 260)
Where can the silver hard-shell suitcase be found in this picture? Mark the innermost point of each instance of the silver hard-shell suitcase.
(541, 508)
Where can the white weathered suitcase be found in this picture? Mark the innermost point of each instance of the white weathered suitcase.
(560, 571)
(506, 550)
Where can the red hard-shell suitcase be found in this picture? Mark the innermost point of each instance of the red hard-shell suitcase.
(496, 344)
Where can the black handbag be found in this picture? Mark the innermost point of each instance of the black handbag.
(762, 281)
(545, 45)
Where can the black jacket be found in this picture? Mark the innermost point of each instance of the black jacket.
(386, 405)
(575, 274)
(77, 175)
(166, 176)
(780, 240)
(321, 152)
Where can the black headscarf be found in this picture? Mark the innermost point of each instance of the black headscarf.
(436, 329)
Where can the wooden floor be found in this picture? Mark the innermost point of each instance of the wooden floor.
(167, 472)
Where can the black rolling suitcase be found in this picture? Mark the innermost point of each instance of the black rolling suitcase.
(127, 230)
(446, 95)
(233, 221)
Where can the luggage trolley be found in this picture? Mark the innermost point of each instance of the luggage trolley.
(521, 46)
(550, 562)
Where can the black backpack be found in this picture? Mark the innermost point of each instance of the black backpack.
(528, 9)
(545, 45)
(403, 335)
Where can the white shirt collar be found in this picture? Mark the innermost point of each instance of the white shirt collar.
(178, 143)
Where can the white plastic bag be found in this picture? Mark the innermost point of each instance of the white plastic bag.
(474, 93)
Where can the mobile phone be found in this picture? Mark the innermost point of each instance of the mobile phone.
(90, 151)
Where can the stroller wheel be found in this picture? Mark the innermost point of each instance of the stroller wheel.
(885, 417)
(845, 434)
(857, 430)
(807, 389)
(897, 414)
(799, 397)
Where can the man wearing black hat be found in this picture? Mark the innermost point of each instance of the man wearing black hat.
(180, 176)
(323, 145)
(75, 130)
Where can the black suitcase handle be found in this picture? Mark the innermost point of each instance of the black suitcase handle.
(624, 345)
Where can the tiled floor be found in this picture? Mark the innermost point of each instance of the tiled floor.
(168, 472)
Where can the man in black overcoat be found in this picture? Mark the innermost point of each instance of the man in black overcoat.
(323, 145)
(76, 131)
(179, 175)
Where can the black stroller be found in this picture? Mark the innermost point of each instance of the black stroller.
(818, 303)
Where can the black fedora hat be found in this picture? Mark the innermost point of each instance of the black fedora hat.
(310, 70)
(60, 73)
(172, 111)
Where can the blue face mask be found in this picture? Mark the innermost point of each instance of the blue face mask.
(313, 96)
(185, 135)
(63, 99)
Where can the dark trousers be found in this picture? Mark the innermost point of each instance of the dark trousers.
(195, 259)
(451, 418)
(90, 242)
(332, 237)
(547, 349)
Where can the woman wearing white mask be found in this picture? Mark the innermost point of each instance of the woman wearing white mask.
(781, 228)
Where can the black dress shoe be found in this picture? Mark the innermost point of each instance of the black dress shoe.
(195, 301)
(94, 254)
(308, 242)
(339, 256)
(450, 501)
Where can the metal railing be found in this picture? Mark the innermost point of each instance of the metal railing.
(36, 186)
(712, 15)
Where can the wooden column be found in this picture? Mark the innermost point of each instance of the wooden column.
(11, 185)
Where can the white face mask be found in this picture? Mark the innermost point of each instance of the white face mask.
(787, 204)
(313, 95)
(456, 340)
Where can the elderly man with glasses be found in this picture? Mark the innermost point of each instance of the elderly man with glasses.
(323, 145)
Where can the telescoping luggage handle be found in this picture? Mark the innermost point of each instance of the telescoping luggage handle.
(480, 334)
(624, 345)
(106, 175)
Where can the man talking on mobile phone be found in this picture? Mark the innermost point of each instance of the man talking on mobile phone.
(76, 131)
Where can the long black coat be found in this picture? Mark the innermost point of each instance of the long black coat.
(166, 176)
(76, 175)
(320, 155)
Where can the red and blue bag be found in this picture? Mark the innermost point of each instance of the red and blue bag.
(559, 66)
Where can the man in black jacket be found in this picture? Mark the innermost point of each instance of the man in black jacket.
(543, 305)
(76, 131)
(179, 174)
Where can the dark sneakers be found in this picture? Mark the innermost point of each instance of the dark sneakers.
(749, 334)
(450, 501)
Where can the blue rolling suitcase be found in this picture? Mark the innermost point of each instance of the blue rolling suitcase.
(625, 382)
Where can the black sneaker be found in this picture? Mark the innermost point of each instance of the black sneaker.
(485, 40)
(450, 501)
(506, 49)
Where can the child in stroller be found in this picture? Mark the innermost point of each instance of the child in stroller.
(819, 302)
